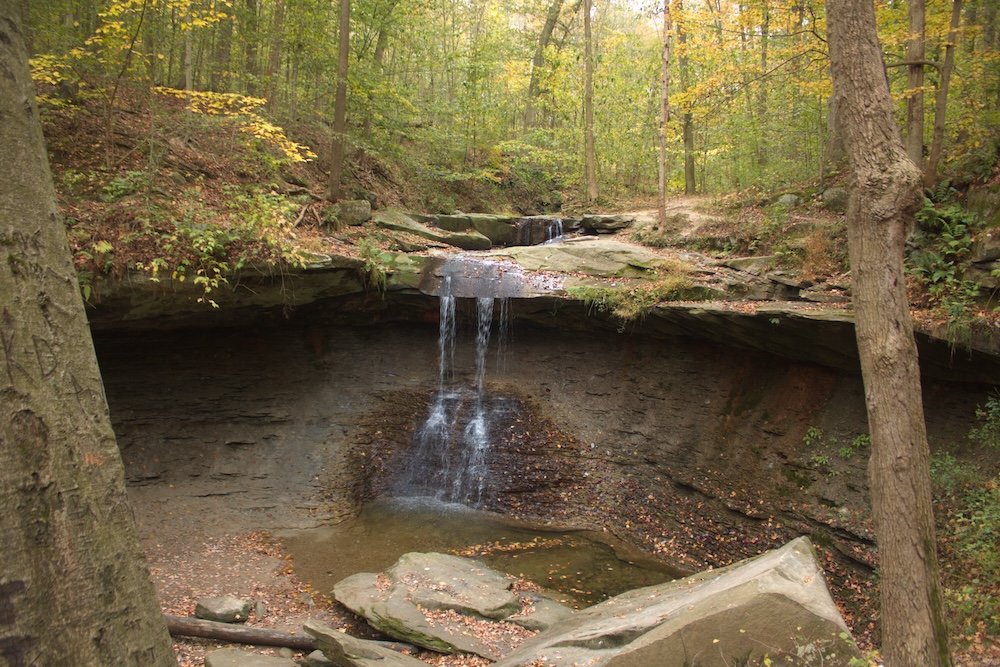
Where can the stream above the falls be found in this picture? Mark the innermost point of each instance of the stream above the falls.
(580, 569)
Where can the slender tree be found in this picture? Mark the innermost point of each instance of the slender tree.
(73, 583)
(340, 103)
(884, 196)
(538, 61)
(664, 113)
(941, 98)
(915, 82)
(589, 148)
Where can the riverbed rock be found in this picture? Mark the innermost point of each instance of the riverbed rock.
(774, 605)
(225, 609)
(231, 657)
(603, 258)
(399, 221)
(444, 603)
(343, 650)
(606, 224)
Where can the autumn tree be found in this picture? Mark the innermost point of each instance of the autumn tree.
(73, 583)
(885, 189)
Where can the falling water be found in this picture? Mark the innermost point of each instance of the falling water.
(554, 232)
(450, 455)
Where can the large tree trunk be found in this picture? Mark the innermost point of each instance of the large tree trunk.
(539, 61)
(73, 583)
(884, 197)
(664, 115)
(915, 82)
(340, 103)
(941, 101)
(590, 151)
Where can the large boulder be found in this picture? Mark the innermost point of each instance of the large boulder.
(399, 221)
(774, 606)
(344, 650)
(603, 258)
(353, 212)
(449, 604)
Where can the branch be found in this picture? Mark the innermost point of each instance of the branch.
(908, 63)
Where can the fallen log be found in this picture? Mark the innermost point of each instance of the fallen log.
(187, 626)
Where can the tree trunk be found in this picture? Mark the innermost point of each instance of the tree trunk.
(941, 101)
(915, 82)
(590, 151)
(381, 41)
(274, 57)
(664, 115)
(249, 34)
(340, 103)
(763, 145)
(73, 583)
(687, 119)
(884, 198)
(218, 79)
(539, 61)
(187, 626)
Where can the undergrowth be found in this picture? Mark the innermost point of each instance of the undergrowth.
(635, 302)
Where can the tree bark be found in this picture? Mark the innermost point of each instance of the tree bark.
(340, 103)
(941, 101)
(590, 151)
(664, 115)
(538, 61)
(884, 197)
(73, 583)
(219, 71)
(915, 83)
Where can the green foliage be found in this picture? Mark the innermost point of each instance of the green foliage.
(375, 268)
(951, 476)
(634, 302)
(126, 184)
(813, 436)
(944, 245)
(860, 442)
(987, 433)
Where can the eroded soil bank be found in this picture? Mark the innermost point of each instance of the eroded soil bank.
(693, 452)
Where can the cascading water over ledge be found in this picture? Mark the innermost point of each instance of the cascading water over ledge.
(450, 456)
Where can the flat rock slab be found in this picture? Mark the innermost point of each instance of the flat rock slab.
(449, 604)
(603, 258)
(775, 605)
(399, 221)
(230, 657)
(346, 651)
(606, 224)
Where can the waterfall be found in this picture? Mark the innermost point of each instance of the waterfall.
(450, 456)
(554, 231)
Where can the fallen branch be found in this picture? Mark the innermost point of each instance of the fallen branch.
(186, 626)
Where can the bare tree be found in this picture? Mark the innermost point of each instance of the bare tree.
(883, 199)
(73, 584)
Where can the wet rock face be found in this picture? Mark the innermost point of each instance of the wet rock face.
(253, 426)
